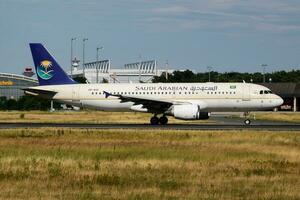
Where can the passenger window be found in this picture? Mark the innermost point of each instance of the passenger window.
(261, 92)
(265, 91)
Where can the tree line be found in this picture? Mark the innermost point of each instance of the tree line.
(189, 76)
(26, 102)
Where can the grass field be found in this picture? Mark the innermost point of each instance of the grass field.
(148, 164)
(278, 116)
(83, 117)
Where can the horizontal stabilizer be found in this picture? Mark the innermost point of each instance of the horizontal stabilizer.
(39, 92)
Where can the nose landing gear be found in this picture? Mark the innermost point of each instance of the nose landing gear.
(163, 120)
(247, 120)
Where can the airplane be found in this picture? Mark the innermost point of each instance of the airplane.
(185, 101)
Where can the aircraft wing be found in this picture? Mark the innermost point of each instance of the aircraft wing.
(153, 105)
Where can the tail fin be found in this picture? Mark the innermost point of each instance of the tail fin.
(47, 69)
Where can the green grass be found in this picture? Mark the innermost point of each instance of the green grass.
(148, 164)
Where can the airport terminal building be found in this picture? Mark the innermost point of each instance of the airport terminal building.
(97, 72)
(11, 85)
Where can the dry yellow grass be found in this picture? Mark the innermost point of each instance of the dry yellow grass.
(278, 116)
(82, 117)
(148, 164)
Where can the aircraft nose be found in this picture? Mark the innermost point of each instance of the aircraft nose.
(279, 101)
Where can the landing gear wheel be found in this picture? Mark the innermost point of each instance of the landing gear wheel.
(247, 122)
(163, 120)
(154, 120)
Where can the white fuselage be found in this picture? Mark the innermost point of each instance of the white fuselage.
(211, 96)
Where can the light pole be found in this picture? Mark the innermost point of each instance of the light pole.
(264, 71)
(140, 68)
(167, 65)
(97, 66)
(83, 48)
(209, 68)
(72, 39)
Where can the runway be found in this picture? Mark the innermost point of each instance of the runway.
(272, 127)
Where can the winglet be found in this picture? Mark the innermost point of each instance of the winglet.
(107, 94)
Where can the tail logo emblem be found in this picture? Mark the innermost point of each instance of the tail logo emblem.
(44, 70)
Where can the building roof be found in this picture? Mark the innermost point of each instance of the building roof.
(18, 77)
(284, 89)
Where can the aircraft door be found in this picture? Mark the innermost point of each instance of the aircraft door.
(75, 93)
(246, 92)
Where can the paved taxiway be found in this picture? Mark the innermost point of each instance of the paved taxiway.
(277, 127)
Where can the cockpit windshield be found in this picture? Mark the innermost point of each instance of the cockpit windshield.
(265, 92)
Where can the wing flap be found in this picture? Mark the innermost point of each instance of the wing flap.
(153, 105)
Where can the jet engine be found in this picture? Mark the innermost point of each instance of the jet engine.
(189, 112)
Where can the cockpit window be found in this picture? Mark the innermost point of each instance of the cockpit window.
(265, 92)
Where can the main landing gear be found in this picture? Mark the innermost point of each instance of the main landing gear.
(163, 120)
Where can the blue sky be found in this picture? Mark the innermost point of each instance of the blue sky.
(230, 35)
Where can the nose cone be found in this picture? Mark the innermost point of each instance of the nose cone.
(279, 101)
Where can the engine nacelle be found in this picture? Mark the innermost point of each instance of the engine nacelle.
(189, 112)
